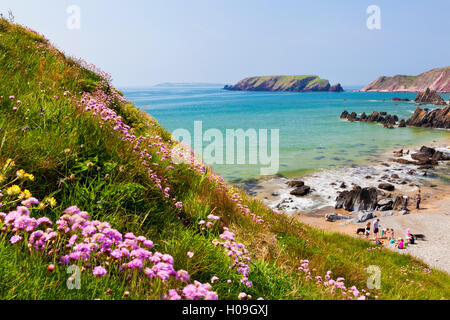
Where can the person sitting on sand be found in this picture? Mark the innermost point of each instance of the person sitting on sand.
(392, 241)
(367, 229)
(401, 244)
(384, 233)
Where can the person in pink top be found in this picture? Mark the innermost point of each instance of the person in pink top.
(400, 244)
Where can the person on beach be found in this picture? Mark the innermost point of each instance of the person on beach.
(418, 201)
(401, 244)
(367, 233)
(375, 228)
(405, 204)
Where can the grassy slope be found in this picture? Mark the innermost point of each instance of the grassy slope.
(117, 189)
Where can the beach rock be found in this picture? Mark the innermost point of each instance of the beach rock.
(437, 118)
(343, 185)
(403, 161)
(429, 96)
(358, 199)
(301, 191)
(400, 99)
(403, 212)
(427, 150)
(364, 216)
(387, 214)
(295, 184)
(385, 204)
(332, 217)
(402, 123)
(344, 114)
(386, 186)
(395, 176)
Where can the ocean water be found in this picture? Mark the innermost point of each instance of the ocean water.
(312, 136)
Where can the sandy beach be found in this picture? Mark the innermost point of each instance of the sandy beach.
(432, 220)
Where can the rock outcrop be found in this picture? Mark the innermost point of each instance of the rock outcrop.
(429, 96)
(303, 83)
(358, 199)
(437, 118)
(301, 191)
(436, 79)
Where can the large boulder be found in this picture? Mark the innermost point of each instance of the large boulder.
(364, 216)
(335, 217)
(358, 199)
(385, 205)
(295, 184)
(301, 191)
(386, 186)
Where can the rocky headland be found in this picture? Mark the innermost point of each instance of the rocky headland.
(295, 83)
(436, 79)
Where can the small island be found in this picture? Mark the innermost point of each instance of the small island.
(298, 83)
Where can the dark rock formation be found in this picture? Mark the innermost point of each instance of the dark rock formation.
(357, 199)
(336, 88)
(301, 191)
(386, 186)
(437, 118)
(429, 96)
(295, 184)
(400, 99)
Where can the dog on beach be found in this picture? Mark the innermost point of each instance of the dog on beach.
(420, 236)
(360, 230)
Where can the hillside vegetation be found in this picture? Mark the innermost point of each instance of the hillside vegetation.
(87, 180)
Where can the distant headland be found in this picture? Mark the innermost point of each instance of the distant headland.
(435, 79)
(294, 83)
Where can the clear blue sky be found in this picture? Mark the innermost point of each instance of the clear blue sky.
(144, 42)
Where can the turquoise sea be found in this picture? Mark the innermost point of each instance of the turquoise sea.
(311, 134)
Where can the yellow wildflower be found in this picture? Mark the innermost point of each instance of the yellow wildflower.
(2, 178)
(29, 176)
(25, 194)
(20, 173)
(15, 189)
(50, 201)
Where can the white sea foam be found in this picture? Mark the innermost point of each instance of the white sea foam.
(326, 184)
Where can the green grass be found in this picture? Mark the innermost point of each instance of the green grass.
(79, 162)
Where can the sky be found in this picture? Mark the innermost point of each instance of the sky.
(146, 42)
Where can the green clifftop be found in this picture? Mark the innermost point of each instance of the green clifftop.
(299, 83)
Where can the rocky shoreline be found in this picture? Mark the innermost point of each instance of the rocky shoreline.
(341, 200)
(436, 118)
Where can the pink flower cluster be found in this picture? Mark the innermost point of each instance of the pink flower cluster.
(333, 285)
(195, 291)
(237, 252)
(77, 240)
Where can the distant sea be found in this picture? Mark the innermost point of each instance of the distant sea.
(312, 136)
